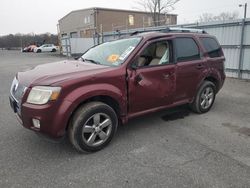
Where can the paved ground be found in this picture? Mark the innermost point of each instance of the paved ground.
(168, 149)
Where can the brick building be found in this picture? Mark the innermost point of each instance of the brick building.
(86, 22)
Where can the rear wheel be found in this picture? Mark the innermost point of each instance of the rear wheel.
(53, 50)
(92, 127)
(204, 98)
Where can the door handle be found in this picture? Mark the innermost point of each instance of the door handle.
(167, 75)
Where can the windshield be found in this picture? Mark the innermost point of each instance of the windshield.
(111, 53)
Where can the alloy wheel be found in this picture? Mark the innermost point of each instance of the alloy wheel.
(207, 97)
(97, 129)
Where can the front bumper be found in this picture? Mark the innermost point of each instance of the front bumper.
(53, 117)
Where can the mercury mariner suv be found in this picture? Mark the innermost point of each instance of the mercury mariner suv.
(115, 81)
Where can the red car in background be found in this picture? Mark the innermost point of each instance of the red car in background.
(29, 48)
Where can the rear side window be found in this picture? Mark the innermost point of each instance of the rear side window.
(186, 49)
(211, 46)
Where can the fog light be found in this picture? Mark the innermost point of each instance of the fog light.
(36, 123)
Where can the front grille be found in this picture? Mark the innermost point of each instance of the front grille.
(17, 90)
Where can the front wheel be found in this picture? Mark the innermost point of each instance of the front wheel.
(204, 98)
(92, 127)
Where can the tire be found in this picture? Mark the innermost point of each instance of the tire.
(88, 131)
(53, 50)
(204, 98)
(38, 51)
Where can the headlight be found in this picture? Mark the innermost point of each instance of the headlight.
(43, 94)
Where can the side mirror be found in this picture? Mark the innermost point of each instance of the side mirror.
(133, 66)
(76, 58)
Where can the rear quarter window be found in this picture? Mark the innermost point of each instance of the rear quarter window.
(212, 47)
(186, 49)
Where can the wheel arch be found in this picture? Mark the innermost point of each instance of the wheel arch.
(207, 77)
(111, 101)
(214, 80)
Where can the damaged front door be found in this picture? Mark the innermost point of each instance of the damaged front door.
(152, 82)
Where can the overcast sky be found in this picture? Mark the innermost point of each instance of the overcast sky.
(26, 16)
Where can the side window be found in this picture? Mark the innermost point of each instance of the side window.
(157, 53)
(186, 49)
(211, 46)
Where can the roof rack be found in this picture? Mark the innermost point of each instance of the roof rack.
(183, 30)
(172, 30)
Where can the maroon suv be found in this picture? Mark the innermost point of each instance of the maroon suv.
(116, 81)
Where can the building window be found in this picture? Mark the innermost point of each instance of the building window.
(168, 21)
(73, 35)
(131, 20)
(64, 35)
(150, 21)
(87, 19)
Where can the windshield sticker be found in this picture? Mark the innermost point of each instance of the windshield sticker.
(126, 53)
(113, 58)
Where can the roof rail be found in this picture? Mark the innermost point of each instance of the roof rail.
(172, 29)
(183, 30)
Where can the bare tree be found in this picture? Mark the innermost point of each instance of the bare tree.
(156, 8)
(208, 17)
(21, 40)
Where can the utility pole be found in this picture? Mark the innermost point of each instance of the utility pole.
(245, 11)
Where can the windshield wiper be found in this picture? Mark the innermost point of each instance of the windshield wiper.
(91, 60)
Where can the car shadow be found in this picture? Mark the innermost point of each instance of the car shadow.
(151, 120)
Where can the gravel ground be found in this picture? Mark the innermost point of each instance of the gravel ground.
(172, 148)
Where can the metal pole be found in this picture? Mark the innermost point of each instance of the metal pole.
(70, 50)
(66, 45)
(242, 42)
(245, 11)
(101, 31)
(59, 38)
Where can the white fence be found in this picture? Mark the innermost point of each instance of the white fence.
(71, 46)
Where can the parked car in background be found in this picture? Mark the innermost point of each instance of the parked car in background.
(29, 48)
(46, 48)
(116, 81)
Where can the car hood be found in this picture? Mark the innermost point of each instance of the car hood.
(51, 73)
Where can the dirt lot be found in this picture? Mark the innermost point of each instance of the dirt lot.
(172, 148)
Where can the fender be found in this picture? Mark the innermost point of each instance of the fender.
(202, 77)
(81, 94)
(215, 73)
